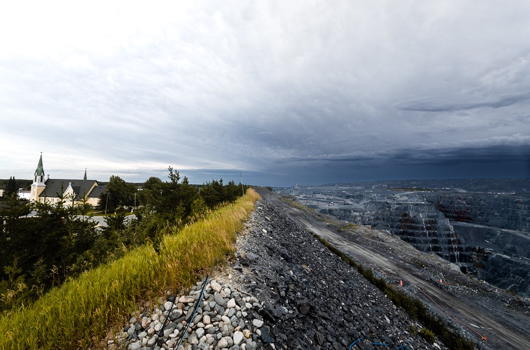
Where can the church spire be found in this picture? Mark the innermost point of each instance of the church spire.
(84, 178)
(40, 168)
(38, 184)
(39, 172)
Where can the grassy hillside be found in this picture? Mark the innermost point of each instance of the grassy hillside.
(79, 311)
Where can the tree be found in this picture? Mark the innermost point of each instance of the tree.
(11, 187)
(189, 194)
(198, 208)
(213, 193)
(118, 193)
(232, 191)
(13, 225)
(83, 207)
(171, 200)
(149, 196)
(32, 246)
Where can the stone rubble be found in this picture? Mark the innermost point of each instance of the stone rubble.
(225, 319)
(284, 290)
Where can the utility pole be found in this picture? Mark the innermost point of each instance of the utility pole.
(241, 181)
(106, 203)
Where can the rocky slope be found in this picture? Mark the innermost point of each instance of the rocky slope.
(486, 311)
(506, 211)
(285, 290)
(415, 222)
(485, 233)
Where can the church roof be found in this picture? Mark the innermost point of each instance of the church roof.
(97, 191)
(55, 187)
(40, 168)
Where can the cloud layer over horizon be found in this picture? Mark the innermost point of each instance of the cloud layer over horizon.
(282, 92)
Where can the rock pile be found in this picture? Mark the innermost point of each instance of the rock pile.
(225, 319)
(287, 292)
(311, 298)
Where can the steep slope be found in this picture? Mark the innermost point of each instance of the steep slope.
(478, 308)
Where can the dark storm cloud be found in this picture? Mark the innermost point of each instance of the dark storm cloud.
(489, 162)
(439, 106)
(430, 156)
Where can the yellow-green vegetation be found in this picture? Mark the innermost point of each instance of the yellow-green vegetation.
(293, 202)
(427, 335)
(348, 226)
(60, 242)
(78, 312)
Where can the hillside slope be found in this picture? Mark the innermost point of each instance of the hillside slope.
(283, 289)
(478, 309)
(289, 292)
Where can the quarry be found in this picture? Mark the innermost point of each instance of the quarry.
(481, 226)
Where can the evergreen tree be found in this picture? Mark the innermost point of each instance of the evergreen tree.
(172, 201)
(31, 247)
(11, 187)
(118, 193)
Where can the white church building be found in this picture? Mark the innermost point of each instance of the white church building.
(72, 191)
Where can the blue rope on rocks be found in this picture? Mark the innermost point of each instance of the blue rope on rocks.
(355, 342)
(383, 344)
(194, 311)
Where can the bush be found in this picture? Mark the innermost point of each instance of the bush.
(427, 335)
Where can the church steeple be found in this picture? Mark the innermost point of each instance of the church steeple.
(38, 183)
(39, 173)
(84, 178)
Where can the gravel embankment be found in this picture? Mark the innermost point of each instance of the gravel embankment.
(284, 290)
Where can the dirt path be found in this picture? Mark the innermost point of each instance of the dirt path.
(499, 335)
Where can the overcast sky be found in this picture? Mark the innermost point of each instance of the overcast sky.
(284, 92)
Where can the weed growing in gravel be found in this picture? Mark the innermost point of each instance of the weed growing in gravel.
(293, 202)
(348, 226)
(78, 312)
(427, 335)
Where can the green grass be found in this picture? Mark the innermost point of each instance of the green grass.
(78, 313)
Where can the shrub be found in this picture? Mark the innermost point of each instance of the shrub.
(427, 335)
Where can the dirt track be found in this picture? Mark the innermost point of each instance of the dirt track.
(500, 333)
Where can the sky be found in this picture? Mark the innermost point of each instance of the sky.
(275, 93)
